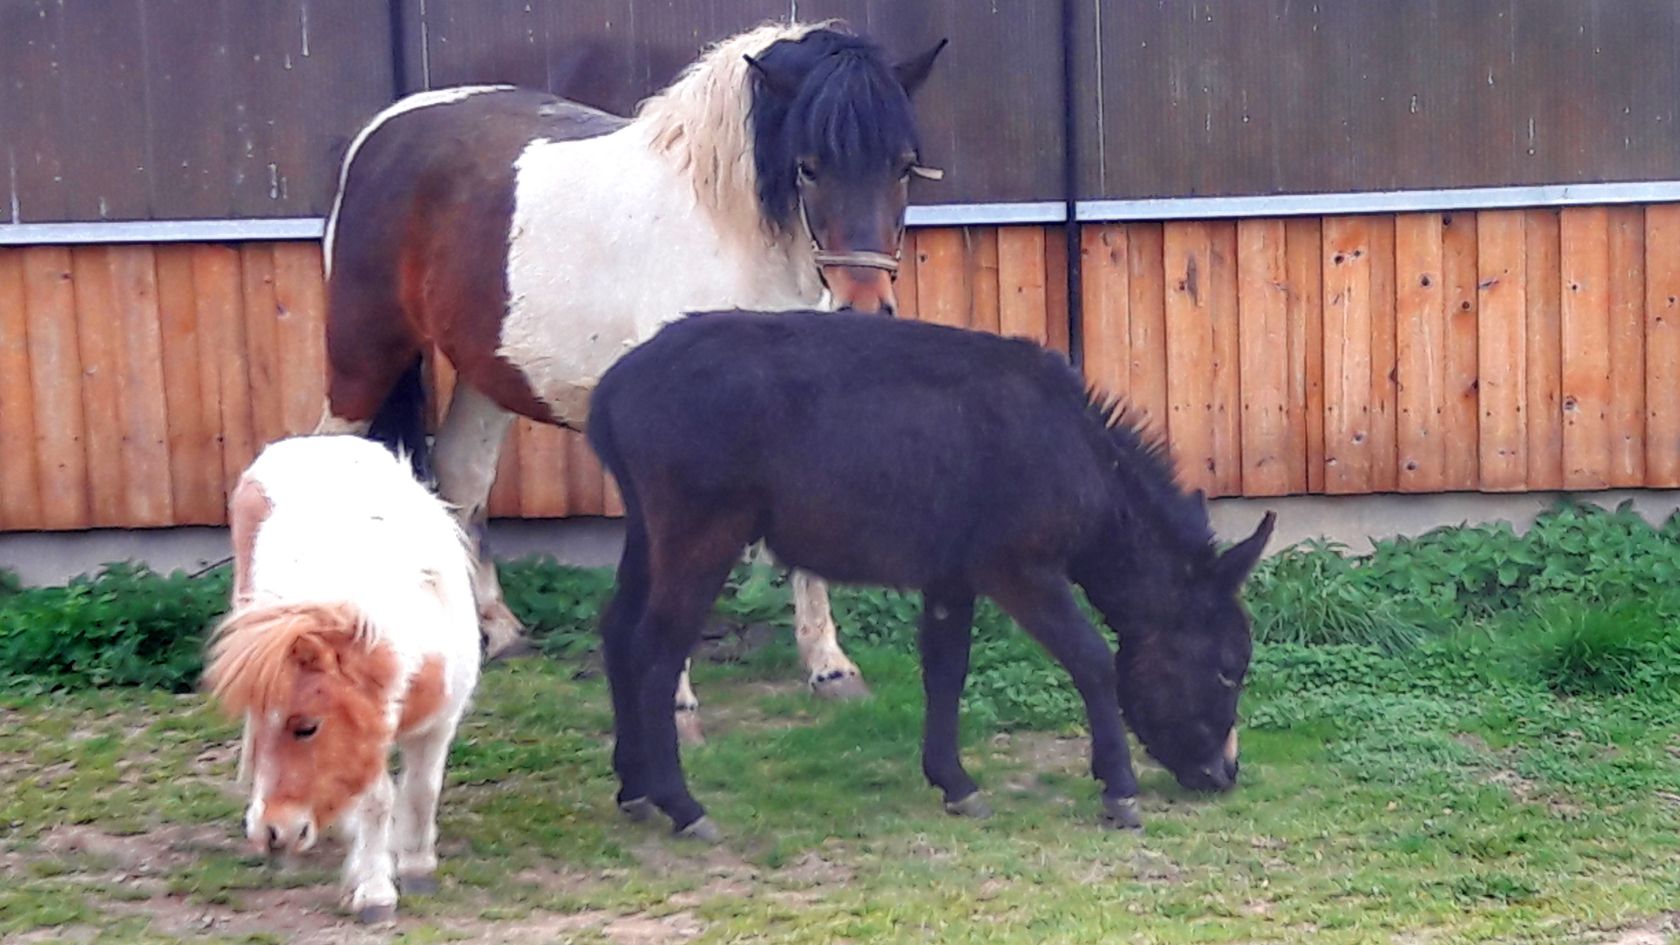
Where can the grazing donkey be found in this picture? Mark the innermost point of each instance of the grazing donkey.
(869, 450)
(533, 240)
(353, 628)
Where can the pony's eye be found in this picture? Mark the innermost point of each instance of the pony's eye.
(806, 174)
(305, 728)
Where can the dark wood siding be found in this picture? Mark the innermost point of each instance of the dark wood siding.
(1280, 96)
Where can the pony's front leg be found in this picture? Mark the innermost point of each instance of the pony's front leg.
(370, 889)
(832, 673)
(415, 821)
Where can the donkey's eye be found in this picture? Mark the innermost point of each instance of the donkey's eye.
(806, 174)
(305, 728)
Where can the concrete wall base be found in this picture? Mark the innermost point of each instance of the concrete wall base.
(54, 557)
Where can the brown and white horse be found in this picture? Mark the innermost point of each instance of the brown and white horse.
(353, 630)
(534, 240)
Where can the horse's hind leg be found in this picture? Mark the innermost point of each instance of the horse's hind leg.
(467, 449)
(832, 673)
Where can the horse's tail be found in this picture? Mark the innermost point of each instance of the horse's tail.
(400, 423)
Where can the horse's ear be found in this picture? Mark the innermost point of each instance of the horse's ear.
(1234, 565)
(782, 86)
(310, 653)
(914, 71)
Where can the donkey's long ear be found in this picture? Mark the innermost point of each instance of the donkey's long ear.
(776, 81)
(914, 71)
(1234, 565)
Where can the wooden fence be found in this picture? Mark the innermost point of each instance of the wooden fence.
(1495, 351)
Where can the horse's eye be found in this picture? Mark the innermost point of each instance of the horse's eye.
(305, 729)
(806, 174)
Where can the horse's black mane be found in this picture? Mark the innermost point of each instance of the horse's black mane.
(848, 111)
(1151, 467)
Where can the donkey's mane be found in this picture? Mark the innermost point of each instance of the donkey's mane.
(1148, 460)
(700, 122)
(251, 669)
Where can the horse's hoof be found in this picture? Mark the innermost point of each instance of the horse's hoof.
(516, 648)
(418, 884)
(1120, 813)
(637, 809)
(688, 727)
(841, 687)
(377, 915)
(973, 806)
(705, 830)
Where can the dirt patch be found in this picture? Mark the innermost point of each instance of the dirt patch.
(1655, 931)
(1039, 754)
(143, 854)
(745, 712)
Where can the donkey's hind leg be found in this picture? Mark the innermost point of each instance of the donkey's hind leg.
(833, 675)
(467, 449)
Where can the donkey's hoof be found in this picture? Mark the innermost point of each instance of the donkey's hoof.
(840, 686)
(973, 806)
(417, 884)
(1120, 813)
(377, 915)
(638, 809)
(705, 830)
(688, 727)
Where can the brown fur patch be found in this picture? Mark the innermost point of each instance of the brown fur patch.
(248, 508)
(425, 696)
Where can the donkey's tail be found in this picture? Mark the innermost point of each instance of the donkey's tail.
(400, 423)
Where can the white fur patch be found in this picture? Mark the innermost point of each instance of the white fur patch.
(406, 104)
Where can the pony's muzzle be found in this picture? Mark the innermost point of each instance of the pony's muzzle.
(861, 288)
(284, 832)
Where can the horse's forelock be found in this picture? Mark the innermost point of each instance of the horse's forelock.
(251, 668)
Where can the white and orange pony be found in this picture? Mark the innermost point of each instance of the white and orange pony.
(353, 630)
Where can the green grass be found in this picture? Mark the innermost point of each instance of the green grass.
(1383, 797)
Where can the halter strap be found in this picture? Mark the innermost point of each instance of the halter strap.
(868, 259)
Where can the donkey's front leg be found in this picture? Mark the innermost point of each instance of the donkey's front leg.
(415, 820)
(833, 674)
(370, 889)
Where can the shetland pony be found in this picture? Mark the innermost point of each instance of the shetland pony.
(353, 629)
(876, 451)
(533, 240)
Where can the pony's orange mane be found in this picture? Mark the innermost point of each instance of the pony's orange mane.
(251, 667)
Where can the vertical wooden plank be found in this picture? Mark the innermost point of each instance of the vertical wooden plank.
(1502, 349)
(1105, 307)
(904, 287)
(55, 374)
(1584, 333)
(1545, 356)
(1055, 287)
(1662, 345)
(262, 345)
(1263, 317)
(1347, 355)
(1227, 357)
(142, 406)
(1460, 426)
(98, 329)
(1304, 259)
(1022, 308)
(195, 457)
(1190, 352)
(20, 485)
(585, 480)
(300, 331)
(1627, 346)
(985, 278)
(506, 492)
(542, 472)
(941, 288)
(224, 373)
(1420, 351)
(1384, 394)
(1146, 284)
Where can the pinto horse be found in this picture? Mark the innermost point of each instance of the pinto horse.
(876, 451)
(353, 629)
(534, 240)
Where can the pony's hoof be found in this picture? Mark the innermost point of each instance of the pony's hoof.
(688, 727)
(637, 809)
(973, 806)
(841, 686)
(418, 884)
(1120, 813)
(705, 830)
(377, 915)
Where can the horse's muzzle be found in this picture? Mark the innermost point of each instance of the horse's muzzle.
(862, 289)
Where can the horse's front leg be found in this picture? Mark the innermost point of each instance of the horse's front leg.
(832, 673)
(468, 446)
(370, 889)
(415, 820)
